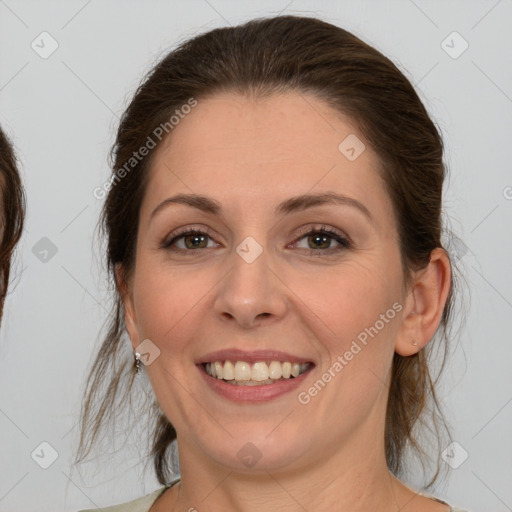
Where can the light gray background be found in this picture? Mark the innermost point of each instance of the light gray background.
(62, 112)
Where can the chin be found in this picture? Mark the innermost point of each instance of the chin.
(258, 451)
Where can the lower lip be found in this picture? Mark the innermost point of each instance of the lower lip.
(263, 393)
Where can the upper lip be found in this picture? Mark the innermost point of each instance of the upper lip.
(234, 354)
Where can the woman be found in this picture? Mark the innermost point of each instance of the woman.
(274, 232)
(12, 212)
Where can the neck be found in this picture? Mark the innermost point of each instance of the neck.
(353, 478)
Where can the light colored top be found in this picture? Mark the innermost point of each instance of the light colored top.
(144, 503)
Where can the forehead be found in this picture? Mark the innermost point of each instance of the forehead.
(259, 149)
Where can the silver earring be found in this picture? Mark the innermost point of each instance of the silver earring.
(137, 364)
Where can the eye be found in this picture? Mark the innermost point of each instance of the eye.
(190, 239)
(187, 240)
(320, 240)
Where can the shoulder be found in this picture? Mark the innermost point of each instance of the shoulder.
(141, 504)
(452, 509)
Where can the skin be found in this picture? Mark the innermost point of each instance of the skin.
(250, 154)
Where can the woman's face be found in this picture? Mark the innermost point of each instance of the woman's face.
(255, 281)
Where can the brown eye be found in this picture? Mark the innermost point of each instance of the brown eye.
(188, 240)
(194, 241)
(321, 240)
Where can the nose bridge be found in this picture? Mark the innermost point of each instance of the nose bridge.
(250, 289)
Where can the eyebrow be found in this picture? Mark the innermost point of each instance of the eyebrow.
(293, 204)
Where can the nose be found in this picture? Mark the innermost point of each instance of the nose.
(250, 293)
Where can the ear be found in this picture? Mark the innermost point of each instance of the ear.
(425, 304)
(126, 293)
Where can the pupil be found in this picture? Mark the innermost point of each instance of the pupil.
(195, 238)
(322, 238)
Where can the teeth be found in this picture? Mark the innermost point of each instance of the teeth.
(275, 370)
(261, 372)
(242, 371)
(287, 370)
(219, 369)
(228, 371)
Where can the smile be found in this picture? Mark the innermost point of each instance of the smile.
(242, 373)
(252, 376)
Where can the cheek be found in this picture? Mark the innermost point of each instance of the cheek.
(356, 319)
(347, 301)
(166, 300)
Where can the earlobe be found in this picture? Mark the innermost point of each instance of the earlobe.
(131, 327)
(425, 304)
(128, 306)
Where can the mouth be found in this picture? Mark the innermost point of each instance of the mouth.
(259, 373)
(256, 376)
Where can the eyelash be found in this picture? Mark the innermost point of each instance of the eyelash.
(344, 242)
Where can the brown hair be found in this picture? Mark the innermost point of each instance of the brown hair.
(262, 57)
(12, 212)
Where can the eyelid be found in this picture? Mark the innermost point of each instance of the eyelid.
(344, 240)
(185, 230)
(323, 228)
